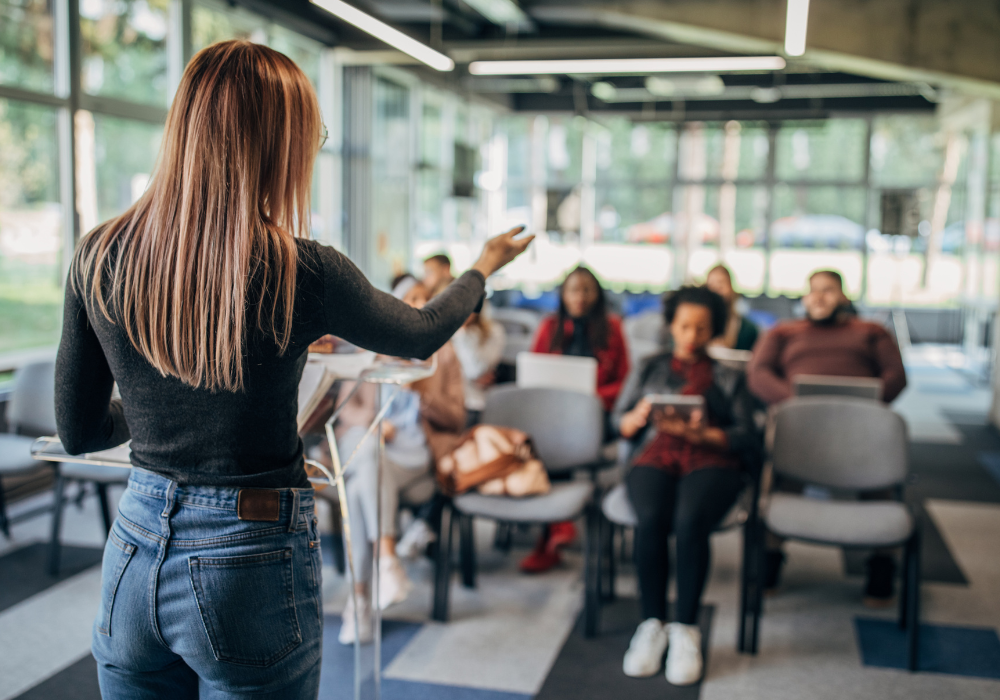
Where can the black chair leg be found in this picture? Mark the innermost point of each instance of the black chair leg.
(467, 550)
(102, 496)
(610, 552)
(591, 572)
(503, 539)
(913, 601)
(339, 555)
(742, 643)
(757, 584)
(442, 566)
(4, 525)
(57, 513)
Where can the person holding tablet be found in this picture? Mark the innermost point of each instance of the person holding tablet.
(201, 301)
(687, 457)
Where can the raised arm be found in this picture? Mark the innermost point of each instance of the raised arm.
(374, 320)
(87, 418)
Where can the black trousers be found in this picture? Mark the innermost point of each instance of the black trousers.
(690, 507)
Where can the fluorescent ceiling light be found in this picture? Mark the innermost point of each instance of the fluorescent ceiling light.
(501, 12)
(383, 32)
(629, 66)
(796, 22)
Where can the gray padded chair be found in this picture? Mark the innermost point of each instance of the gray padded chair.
(567, 429)
(850, 444)
(31, 409)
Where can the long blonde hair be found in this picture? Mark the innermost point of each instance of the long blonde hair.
(212, 238)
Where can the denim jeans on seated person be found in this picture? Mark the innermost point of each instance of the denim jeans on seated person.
(198, 603)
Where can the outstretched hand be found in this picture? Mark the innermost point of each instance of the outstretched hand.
(500, 250)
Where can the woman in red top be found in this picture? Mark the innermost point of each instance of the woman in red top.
(583, 328)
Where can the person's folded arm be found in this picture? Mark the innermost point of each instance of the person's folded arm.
(763, 372)
(87, 418)
(891, 369)
(374, 320)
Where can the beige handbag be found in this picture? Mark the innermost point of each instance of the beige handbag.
(496, 461)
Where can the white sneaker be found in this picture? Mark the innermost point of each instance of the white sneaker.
(645, 652)
(414, 541)
(684, 663)
(347, 630)
(393, 583)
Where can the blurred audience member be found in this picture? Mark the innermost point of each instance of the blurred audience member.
(582, 327)
(740, 333)
(437, 274)
(686, 474)
(422, 424)
(830, 341)
(479, 345)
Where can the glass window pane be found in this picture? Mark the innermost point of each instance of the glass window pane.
(124, 46)
(906, 150)
(627, 151)
(832, 149)
(115, 159)
(564, 150)
(816, 227)
(209, 25)
(27, 48)
(31, 232)
(391, 181)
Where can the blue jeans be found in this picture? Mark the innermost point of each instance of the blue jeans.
(198, 603)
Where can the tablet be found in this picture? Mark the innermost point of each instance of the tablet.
(682, 405)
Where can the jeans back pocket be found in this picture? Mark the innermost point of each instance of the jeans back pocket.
(247, 604)
(117, 554)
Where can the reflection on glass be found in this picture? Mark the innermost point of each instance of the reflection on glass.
(31, 235)
(124, 47)
(27, 49)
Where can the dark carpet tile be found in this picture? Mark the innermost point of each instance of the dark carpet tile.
(596, 664)
(961, 651)
(24, 572)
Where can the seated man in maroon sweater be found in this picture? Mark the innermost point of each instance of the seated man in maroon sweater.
(831, 341)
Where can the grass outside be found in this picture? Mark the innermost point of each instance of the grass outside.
(31, 300)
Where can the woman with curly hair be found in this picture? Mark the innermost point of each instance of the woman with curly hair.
(685, 476)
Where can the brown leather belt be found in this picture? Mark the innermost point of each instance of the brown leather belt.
(259, 504)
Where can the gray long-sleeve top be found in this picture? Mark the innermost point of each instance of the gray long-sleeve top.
(247, 438)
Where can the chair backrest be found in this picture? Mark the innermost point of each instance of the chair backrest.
(567, 427)
(839, 442)
(32, 405)
(647, 326)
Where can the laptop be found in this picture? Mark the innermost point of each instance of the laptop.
(539, 370)
(820, 385)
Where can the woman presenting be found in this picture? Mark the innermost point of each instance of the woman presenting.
(200, 301)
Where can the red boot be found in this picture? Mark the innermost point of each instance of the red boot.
(546, 553)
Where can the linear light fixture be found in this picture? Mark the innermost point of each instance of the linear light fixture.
(796, 21)
(383, 32)
(504, 13)
(629, 66)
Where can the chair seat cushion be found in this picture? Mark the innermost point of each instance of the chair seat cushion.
(845, 523)
(15, 454)
(565, 501)
(618, 508)
(95, 472)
